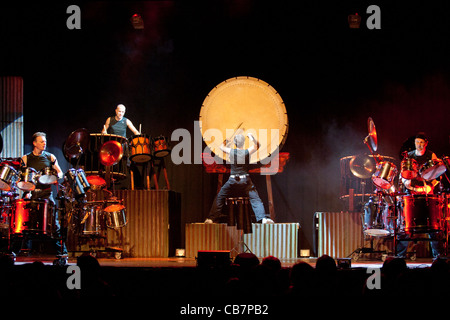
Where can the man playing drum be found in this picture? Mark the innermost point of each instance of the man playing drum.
(239, 182)
(420, 186)
(40, 160)
(118, 124)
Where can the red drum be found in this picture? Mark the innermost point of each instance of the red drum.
(96, 182)
(385, 174)
(422, 214)
(409, 168)
(27, 179)
(140, 148)
(160, 147)
(32, 216)
(91, 159)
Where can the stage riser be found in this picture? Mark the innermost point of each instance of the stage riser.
(279, 239)
(340, 233)
(147, 233)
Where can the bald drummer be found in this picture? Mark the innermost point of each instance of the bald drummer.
(118, 124)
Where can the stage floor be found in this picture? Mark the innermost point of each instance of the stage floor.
(179, 262)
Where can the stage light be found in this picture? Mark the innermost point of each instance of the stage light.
(354, 21)
(137, 21)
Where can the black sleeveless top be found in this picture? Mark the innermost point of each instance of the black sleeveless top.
(118, 127)
(239, 160)
(38, 163)
(418, 182)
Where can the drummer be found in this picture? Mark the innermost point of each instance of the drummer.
(422, 155)
(118, 124)
(40, 159)
(418, 186)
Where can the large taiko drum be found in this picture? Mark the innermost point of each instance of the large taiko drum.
(91, 160)
(244, 105)
(422, 213)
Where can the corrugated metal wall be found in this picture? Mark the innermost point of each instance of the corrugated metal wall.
(338, 233)
(11, 108)
(279, 239)
(147, 231)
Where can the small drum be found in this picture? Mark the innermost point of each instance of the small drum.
(140, 148)
(376, 219)
(48, 175)
(32, 216)
(422, 214)
(385, 174)
(7, 174)
(115, 216)
(27, 179)
(409, 168)
(160, 147)
(432, 169)
(92, 219)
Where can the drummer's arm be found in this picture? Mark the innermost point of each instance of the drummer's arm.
(132, 127)
(24, 160)
(255, 145)
(224, 147)
(105, 127)
(57, 167)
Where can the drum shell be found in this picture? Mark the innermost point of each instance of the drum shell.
(376, 219)
(48, 175)
(33, 216)
(422, 214)
(432, 169)
(27, 179)
(93, 219)
(385, 174)
(160, 147)
(115, 216)
(409, 168)
(7, 173)
(140, 149)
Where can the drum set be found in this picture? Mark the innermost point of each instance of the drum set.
(395, 211)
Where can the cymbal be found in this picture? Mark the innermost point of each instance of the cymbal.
(371, 139)
(110, 153)
(76, 143)
(362, 166)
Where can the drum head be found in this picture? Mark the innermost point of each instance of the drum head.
(244, 104)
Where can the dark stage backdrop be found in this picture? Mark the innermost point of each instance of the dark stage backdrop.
(331, 78)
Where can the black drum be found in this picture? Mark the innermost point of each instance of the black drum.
(91, 163)
(376, 219)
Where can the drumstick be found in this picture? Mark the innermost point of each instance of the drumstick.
(229, 140)
(140, 128)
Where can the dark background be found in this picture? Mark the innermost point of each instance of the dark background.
(331, 78)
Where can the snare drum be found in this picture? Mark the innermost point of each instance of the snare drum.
(160, 147)
(115, 216)
(7, 175)
(32, 216)
(140, 148)
(409, 168)
(27, 179)
(48, 175)
(96, 182)
(422, 213)
(432, 169)
(385, 174)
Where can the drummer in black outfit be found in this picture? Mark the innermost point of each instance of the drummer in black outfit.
(419, 186)
(118, 124)
(40, 159)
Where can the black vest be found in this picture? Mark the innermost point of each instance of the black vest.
(118, 127)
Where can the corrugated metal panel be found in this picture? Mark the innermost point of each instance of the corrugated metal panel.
(278, 239)
(147, 231)
(339, 233)
(11, 108)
